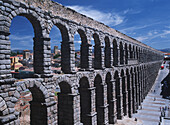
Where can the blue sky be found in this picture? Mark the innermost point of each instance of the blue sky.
(145, 20)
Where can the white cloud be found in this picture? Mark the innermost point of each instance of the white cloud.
(167, 27)
(162, 35)
(130, 29)
(141, 38)
(19, 38)
(126, 11)
(153, 34)
(15, 48)
(131, 11)
(21, 42)
(111, 19)
(150, 34)
(134, 28)
(78, 42)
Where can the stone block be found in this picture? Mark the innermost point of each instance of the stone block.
(4, 95)
(2, 103)
(15, 3)
(5, 51)
(8, 9)
(19, 88)
(14, 100)
(4, 119)
(10, 104)
(5, 112)
(16, 94)
(2, 8)
(2, 108)
(2, 67)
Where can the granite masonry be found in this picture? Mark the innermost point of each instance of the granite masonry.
(124, 69)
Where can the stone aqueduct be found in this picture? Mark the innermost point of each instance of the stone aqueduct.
(123, 73)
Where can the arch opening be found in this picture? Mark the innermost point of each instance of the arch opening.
(126, 54)
(131, 52)
(78, 47)
(65, 104)
(137, 88)
(118, 95)
(61, 52)
(115, 53)
(134, 52)
(110, 98)
(139, 85)
(129, 90)
(85, 101)
(97, 52)
(137, 53)
(124, 89)
(81, 50)
(56, 39)
(107, 53)
(23, 55)
(99, 99)
(121, 53)
(29, 103)
(133, 90)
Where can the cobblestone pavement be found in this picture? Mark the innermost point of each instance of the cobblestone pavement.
(149, 112)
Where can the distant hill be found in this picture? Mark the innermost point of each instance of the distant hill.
(52, 51)
(165, 50)
(20, 51)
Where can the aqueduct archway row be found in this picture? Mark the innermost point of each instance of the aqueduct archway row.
(124, 69)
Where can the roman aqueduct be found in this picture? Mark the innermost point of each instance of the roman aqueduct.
(124, 69)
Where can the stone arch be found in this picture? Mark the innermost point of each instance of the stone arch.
(137, 53)
(99, 99)
(124, 91)
(131, 52)
(34, 19)
(133, 89)
(62, 26)
(85, 101)
(38, 103)
(65, 87)
(97, 52)
(121, 53)
(65, 104)
(107, 52)
(129, 90)
(118, 94)
(65, 45)
(84, 50)
(115, 53)
(134, 52)
(144, 55)
(139, 85)
(86, 75)
(143, 79)
(140, 52)
(126, 54)
(136, 87)
(110, 97)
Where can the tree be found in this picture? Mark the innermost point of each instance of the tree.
(56, 56)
